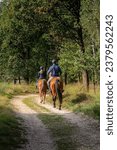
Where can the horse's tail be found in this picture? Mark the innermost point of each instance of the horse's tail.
(58, 91)
(43, 85)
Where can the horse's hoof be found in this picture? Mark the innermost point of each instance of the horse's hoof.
(54, 106)
(59, 108)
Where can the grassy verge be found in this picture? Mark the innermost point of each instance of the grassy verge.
(10, 90)
(61, 130)
(30, 102)
(76, 100)
(12, 133)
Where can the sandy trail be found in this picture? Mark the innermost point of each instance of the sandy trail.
(87, 133)
(38, 136)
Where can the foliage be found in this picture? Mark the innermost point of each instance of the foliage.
(23, 45)
(72, 60)
(32, 33)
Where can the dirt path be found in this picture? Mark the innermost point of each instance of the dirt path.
(87, 134)
(38, 136)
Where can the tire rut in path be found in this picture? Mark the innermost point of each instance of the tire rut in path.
(38, 136)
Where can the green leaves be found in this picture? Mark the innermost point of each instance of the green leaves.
(73, 61)
(34, 32)
(24, 29)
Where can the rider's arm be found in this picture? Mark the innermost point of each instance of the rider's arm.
(49, 70)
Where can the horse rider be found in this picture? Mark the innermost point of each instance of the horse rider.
(53, 71)
(42, 73)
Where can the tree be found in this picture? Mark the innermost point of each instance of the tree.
(34, 32)
(73, 18)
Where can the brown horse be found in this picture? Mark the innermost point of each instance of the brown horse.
(42, 86)
(56, 86)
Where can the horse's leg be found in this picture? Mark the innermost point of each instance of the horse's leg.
(58, 91)
(60, 105)
(44, 97)
(54, 101)
(60, 100)
(41, 98)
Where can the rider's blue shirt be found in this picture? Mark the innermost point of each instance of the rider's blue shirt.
(55, 70)
(41, 74)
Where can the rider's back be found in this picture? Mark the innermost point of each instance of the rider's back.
(56, 71)
(41, 74)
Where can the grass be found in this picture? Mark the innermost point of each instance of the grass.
(12, 133)
(79, 101)
(76, 100)
(9, 89)
(61, 130)
(30, 102)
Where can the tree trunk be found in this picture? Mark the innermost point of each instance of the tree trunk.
(85, 75)
(27, 80)
(80, 77)
(85, 80)
(94, 72)
(65, 76)
(15, 81)
(94, 81)
(19, 80)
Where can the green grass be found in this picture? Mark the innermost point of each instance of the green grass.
(79, 101)
(76, 100)
(61, 130)
(12, 133)
(9, 89)
(30, 102)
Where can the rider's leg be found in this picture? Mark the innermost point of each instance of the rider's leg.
(48, 83)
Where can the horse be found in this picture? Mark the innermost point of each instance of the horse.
(42, 87)
(56, 86)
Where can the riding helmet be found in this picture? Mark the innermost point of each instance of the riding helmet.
(53, 61)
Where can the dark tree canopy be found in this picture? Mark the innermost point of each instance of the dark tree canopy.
(32, 33)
